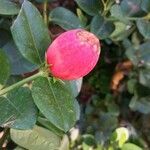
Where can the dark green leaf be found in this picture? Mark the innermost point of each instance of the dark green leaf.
(140, 104)
(8, 8)
(146, 5)
(64, 18)
(132, 8)
(5, 69)
(17, 109)
(140, 56)
(91, 7)
(101, 27)
(144, 27)
(30, 33)
(56, 102)
(36, 139)
(144, 77)
(130, 146)
(19, 65)
(118, 14)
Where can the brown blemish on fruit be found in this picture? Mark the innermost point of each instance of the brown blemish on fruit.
(86, 37)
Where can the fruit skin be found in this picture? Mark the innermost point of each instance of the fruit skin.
(73, 54)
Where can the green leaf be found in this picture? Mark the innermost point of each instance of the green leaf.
(122, 135)
(146, 5)
(17, 109)
(132, 8)
(144, 77)
(120, 32)
(91, 7)
(5, 69)
(36, 139)
(140, 104)
(130, 146)
(30, 33)
(50, 126)
(8, 8)
(76, 86)
(144, 27)
(64, 18)
(140, 56)
(19, 65)
(56, 102)
(117, 13)
(101, 27)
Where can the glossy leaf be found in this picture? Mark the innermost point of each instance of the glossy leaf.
(144, 28)
(19, 65)
(55, 100)
(7, 7)
(91, 7)
(101, 27)
(64, 18)
(17, 109)
(130, 146)
(30, 33)
(37, 138)
(5, 69)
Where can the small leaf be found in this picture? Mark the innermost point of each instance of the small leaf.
(140, 56)
(117, 13)
(120, 32)
(17, 109)
(122, 135)
(144, 77)
(101, 27)
(144, 27)
(132, 8)
(130, 146)
(146, 5)
(56, 102)
(36, 139)
(140, 104)
(64, 18)
(30, 33)
(8, 8)
(91, 7)
(19, 65)
(5, 69)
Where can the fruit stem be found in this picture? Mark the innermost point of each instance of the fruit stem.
(20, 83)
(45, 13)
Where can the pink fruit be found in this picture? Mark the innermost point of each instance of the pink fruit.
(73, 54)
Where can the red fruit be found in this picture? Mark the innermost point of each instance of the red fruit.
(73, 54)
